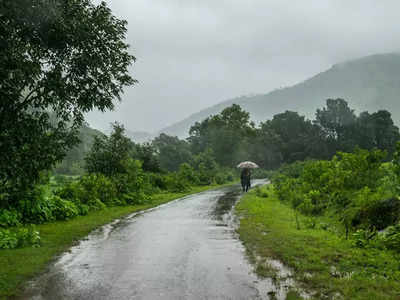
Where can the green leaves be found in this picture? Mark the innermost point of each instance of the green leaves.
(58, 60)
(359, 188)
(19, 237)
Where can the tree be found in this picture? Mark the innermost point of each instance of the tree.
(334, 117)
(108, 155)
(172, 151)
(266, 147)
(376, 130)
(225, 133)
(386, 134)
(299, 138)
(58, 60)
(148, 155)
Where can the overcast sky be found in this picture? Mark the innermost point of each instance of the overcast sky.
(192, 54)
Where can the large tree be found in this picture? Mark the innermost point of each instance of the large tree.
(299, 137)
(337, 121)
(108, 154)
(227, 134)
(58, 60)
(172, 151)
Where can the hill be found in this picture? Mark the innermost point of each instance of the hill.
(369, 83)
(74, 160)
(139, 136)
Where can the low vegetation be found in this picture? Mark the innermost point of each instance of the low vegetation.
(334, 222)
(21, 264)
(356, 193)
(345, 201)
(323, 262)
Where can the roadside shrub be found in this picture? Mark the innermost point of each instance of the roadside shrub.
(362, 238)
(28, 237)
(20, 237)
(63, 209)
(293, 170)
(9, 218)
(358, 189)
(36, 207)
(157, 180)
(69, 191)
(262, 192)
(8, 239)
(391, 237)
(62, 179)
(206, 167)
(261, 174)
(377, 210)
(132, 185)
(230, 176)
(220, 178)
(177, 184)
(187, 173)
(91, 192)
(97, 191)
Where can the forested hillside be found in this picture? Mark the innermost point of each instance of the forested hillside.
(370, 83)
(74, 160)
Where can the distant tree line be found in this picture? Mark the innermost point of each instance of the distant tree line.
(231, 137)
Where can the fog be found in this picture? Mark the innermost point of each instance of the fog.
(194, 54)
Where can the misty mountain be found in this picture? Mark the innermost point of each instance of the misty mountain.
(369, 83)
(139, 136)
(74, 160)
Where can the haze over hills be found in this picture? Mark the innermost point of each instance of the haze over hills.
(369, 83)
(139, 136)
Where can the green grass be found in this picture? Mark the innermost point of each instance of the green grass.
(322, 262)
(19, 265)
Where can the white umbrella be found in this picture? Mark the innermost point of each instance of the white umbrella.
(247, 165)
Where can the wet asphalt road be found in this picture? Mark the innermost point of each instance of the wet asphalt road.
(186, 249)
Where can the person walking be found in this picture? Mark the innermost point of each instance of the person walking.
(245, 179)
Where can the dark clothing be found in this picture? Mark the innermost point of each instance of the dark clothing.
(245, 179)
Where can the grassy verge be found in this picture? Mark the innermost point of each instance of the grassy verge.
(19, 265)
(325, 264)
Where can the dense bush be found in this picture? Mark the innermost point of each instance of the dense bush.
(36, 207)
(19, 237)
(359, 188)
(187, 173)
(132, 184)
(177, 183)
(9, 218)
(63, 209)
(391, 238)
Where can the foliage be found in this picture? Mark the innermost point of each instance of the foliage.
(324, 264)
(35, 207)
(289, 137)
(9, 218)
(172, 152)
(74, 161)
(358, 187)
(108, 154)
(188, 173)
(132, 184)
(206, 166)
(19, 237)
(63, 209)
(226, 134)
(391, 238)
(50, 78)
(149, 157)
(177, 183)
